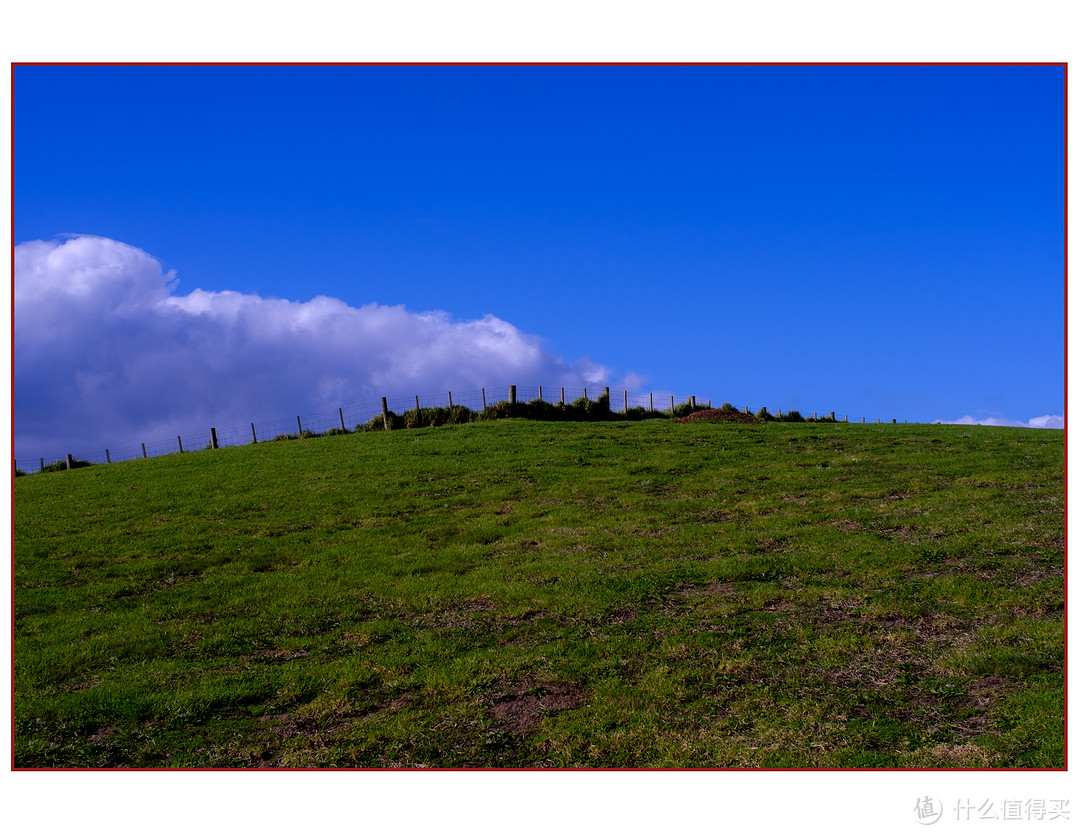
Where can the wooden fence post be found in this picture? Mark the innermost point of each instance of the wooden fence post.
(650, 401)
(450, 399)
(385, 416)
(179, 443)
(483, 398)
(299, 428)
(832, 416)
(417, 396)
(693, 403)
(341, 415)
(513, 395)
(607, 395)
(43, 465)
(67, 461)
(673, 405)
(213, 438)
(108, 460)
(624, 406)
(144, 451)
(539, 392)
(562, 395)
(254, 437)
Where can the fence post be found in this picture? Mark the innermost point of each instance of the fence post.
(213, 438)
(417, 396)
(539, 392)
(179, 443)
(483, 398)
(693, 403)
(607, 395)
(673, 405)
(43, 465)
(108, 460)
(254, 437)
(513, 395)
(650, 401)
(299, 428)
(341, 415)
(832, 416)
(67, 461)
(385, 416)
(450, 399)
(585, 393)
(562, 395)
(144, 451)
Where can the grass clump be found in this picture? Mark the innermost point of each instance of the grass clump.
(60, 465)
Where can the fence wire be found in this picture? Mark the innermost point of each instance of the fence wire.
(352, 418)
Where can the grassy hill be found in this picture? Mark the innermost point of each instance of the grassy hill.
(527, 594)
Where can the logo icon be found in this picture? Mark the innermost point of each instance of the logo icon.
(928, 810)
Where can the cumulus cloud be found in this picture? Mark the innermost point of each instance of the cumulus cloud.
(107, 353)
(1041, 422)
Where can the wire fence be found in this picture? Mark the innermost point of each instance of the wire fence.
(351, 418)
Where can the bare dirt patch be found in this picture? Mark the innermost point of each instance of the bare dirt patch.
(276, 654)
(716, 588)
(624, 614)
(520, 708)
(103, 733)
(462, 616)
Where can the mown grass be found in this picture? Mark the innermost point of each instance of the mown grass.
(524, 594)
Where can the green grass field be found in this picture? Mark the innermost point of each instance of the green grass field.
(524, 594)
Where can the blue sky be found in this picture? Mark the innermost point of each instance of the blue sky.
(885, 242)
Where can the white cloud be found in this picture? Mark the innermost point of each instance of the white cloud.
(107, 354)
(1048, 422)
(1042, 422)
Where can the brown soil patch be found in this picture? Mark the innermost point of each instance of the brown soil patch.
(462, 616)
(521, 707)
(103, 733)
(967, 755)
(280, 654)
(289, 725)
(719, 416)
